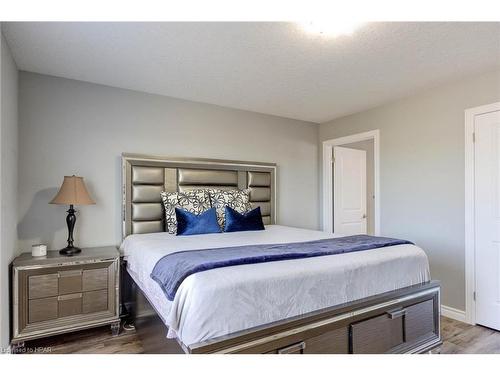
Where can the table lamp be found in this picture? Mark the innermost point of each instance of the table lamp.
(72, 192)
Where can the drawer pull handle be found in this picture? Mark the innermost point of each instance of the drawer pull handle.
(70, 273)
(69, 296)
(396, 313)
(295, 348)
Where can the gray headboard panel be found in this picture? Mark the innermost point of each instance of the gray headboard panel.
(145, 177)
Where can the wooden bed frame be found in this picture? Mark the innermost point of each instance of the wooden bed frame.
(403, 321)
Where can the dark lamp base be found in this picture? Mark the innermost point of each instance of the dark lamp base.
(70, 250)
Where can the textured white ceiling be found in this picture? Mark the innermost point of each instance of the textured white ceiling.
(273, 68)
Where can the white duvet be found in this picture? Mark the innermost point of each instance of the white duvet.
(225, 300)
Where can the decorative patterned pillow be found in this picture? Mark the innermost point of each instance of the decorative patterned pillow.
(194, 201)
(170, 201)
(238, 200)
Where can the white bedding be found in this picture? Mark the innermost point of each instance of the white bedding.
(226, 300)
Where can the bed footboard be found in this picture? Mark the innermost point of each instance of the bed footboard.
(404, 321)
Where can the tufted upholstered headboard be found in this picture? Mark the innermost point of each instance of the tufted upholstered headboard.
(145, 177)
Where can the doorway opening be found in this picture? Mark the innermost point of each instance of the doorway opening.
(351, 184)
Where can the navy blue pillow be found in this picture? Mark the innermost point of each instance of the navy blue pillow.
(189, 223)
(236, 222)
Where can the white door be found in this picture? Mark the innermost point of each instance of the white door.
(487, 218)
(349, 191)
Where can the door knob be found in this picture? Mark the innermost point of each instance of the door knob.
(364, 216)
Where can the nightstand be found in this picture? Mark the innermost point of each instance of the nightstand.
(55, 294)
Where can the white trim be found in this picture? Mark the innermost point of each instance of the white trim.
(327, 222)
(452, 313)
(470, 114)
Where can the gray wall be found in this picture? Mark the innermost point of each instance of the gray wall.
(71, 127)
(8, 181)
(367, 146)
(422, 170)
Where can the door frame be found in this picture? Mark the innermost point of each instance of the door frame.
(328, 145)
(470, 233)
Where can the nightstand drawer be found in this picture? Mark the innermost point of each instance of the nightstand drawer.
(42, 309)
(70, 281)
(43, 286)
(70, 304)
(95, 279)
(95, 301)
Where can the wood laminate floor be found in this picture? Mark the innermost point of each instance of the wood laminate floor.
(462, 338)
(458, 338)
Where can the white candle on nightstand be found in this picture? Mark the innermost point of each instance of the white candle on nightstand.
(39, 250)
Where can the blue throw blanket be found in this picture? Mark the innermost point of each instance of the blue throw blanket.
(173, 268)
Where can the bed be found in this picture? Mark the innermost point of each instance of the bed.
(373, 301)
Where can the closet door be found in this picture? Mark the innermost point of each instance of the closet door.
(487, 218)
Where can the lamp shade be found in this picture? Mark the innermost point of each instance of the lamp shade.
(73, 191)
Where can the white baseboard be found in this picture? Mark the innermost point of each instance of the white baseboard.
(452, 313)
